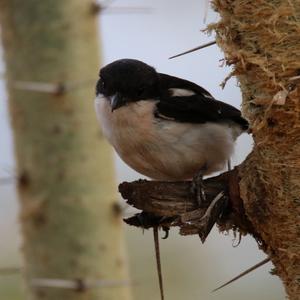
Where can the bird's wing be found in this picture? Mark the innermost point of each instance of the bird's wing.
(184, 101)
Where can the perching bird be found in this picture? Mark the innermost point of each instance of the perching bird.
(164, 127)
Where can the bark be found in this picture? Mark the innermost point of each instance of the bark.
(70, 222)
(176, 202)
(261, 40)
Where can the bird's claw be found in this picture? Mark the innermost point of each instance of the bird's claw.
(166, 230)
(198, 189)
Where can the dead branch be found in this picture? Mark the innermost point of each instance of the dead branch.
(175, 204)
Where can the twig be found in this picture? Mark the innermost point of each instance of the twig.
(177, 201)
(194, 49)
(158, 262)
(169, 204)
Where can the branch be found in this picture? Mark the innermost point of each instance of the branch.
(175, 204)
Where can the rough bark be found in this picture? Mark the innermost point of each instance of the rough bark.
(70, 222)
(261, 40)
(176, 202)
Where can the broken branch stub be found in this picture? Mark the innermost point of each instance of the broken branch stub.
(175, 204)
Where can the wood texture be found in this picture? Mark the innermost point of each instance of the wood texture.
(260, 39)
(176, 203)
(71, 230)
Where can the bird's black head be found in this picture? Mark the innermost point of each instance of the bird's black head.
(127, 80)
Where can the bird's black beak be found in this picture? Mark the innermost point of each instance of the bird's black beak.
(117, 101)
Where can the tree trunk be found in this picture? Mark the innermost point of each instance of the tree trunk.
(261, 39)
(70, 222)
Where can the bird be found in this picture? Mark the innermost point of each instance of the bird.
(164, 127)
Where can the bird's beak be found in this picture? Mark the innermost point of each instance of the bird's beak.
(117, 101)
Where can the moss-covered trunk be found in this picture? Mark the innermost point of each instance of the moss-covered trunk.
(261, 39)
(71, 227)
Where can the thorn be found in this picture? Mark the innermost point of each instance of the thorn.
(158, 263)
(206, 4)
(194, 49)
(242, 274)
(294, 78)
(99, 8)
(52, 88)
(75, 284)
(95, 8)
(42, 87)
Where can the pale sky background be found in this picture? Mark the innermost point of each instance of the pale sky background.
(191, 270)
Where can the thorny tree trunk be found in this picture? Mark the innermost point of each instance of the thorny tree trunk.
(262, 40)
(70, 221)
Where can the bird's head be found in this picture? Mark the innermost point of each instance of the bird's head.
(127, 80)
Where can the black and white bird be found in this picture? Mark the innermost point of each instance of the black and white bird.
(164, 127)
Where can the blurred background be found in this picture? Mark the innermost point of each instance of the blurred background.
(153, 30)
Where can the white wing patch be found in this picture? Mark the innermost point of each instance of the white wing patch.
(185, 93)
(181, 92)
(209, 96)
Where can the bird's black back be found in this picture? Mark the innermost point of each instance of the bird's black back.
(198, 108)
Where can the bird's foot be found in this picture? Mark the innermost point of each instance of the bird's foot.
(198, 188)
(166, 231)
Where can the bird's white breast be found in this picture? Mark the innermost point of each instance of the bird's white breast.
(162, 149)
(128, 125)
